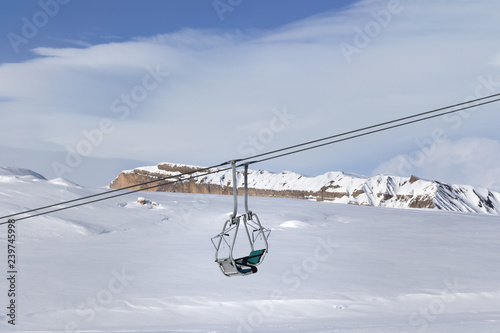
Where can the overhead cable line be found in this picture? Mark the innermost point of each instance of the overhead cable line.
(365, 133)
(112, 196)
(213, 169)
(112, 191)
(386, 123)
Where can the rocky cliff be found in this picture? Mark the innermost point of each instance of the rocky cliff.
(339, 187)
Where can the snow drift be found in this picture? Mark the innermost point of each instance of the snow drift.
(123, 266)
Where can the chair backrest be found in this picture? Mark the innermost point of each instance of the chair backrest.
(255, 257)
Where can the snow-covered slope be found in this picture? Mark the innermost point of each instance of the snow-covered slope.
(18, 173)
(339, 187)
(119, 266)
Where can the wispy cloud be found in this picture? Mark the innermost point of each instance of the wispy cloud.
(471, 161)
(77, 42)
(222, 86)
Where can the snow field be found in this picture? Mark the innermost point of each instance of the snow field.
(121, 266)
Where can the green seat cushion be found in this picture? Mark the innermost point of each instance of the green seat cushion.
(252, 259)
(255, 256)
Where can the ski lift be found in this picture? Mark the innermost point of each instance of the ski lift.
(225, 241)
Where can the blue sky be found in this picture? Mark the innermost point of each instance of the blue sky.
(102, 21)
(89, 88)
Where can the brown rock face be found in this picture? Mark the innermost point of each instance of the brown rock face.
(338, 187)
(330, 192)
(191, 186)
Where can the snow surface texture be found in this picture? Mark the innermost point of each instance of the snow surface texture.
(120, 266)
(381, 190)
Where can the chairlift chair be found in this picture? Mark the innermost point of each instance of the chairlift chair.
(257, 236)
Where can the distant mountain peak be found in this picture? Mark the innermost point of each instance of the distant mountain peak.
(337, 187)
(19, 172)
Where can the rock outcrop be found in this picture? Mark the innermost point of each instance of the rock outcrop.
(339, 187)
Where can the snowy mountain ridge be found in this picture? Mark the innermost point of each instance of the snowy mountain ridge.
(122, 266)
(338, 187)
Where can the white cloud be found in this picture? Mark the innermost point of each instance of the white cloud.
(468, 161)
(77, 42)
(223, 86)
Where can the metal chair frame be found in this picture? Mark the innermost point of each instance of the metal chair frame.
(227, 237)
